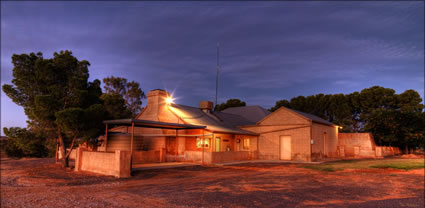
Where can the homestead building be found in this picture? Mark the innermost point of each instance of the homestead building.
(165, 132)
(241, 133)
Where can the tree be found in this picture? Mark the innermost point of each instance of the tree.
(85, 124)
(130, 92)
(394, 119)
(356, 111)
(339, 111)
(115, 106)
(410, 101)
(44, 87)
(396, 128)
(278, 104)
(24, 143)
(229, 104)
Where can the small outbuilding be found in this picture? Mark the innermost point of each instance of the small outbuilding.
(288, 134)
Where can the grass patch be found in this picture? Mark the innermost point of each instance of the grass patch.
(403, 164)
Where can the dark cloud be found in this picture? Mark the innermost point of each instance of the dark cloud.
(268, 50)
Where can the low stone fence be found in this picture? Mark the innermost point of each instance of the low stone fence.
(72, 155)
(196, 157)
(219, 157)
(382, 151)
(362, 152)
(107, 163)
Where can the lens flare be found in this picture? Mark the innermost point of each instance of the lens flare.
(169, 100)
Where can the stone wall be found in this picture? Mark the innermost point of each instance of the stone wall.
(196, 157)
(358, 145)
(107, 163)
(382, 151)
(219, 157)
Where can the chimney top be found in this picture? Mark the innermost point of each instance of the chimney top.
(206, 105)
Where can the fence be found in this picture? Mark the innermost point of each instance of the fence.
(107, 163)
(219, 157)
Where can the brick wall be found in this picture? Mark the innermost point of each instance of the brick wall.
(320, 134)
(361, 145)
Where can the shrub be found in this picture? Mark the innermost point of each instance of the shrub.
(24, 143)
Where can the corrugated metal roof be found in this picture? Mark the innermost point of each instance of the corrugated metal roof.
(313, 117)
(252, 113)
(233, 119)
(152, 124)
(215, 123)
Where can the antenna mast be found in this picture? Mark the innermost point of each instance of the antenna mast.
(216, 78)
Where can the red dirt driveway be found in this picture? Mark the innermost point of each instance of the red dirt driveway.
(40, 183)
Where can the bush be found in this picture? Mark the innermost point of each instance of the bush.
(24, 143)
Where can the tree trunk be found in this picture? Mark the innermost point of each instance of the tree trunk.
(406, 149)
(65, 162)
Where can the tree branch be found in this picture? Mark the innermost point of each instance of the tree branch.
(72, 145)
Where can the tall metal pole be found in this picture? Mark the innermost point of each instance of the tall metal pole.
(131, 146)
(216, 78)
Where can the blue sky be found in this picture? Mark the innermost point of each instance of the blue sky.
(268, 50)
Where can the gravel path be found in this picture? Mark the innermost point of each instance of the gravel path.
(41, 183)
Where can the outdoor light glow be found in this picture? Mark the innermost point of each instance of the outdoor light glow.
(169, 100)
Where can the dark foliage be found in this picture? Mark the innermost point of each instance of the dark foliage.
(230, 103)
(392, 118)
(24, 143)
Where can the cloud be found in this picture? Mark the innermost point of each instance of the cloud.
(268, 50)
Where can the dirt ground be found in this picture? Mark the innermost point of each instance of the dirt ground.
(41, 183)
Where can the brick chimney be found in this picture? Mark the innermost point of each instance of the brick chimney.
(156, 103)
(206, 106)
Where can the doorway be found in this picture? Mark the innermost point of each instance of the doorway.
(325, 144)
(285, 147)
(217, 144)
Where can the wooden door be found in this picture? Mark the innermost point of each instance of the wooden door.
(217, 144)
(285, 147)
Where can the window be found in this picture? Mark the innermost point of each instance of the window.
(199, 142)
(246, 143)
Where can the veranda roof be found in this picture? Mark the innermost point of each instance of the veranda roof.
(152, 124)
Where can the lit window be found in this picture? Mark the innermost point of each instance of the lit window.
(246, 143)
(199, 143)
